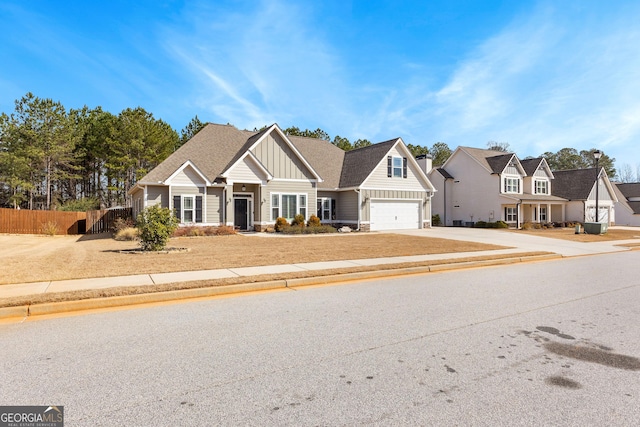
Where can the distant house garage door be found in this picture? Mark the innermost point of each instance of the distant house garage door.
(394, 215)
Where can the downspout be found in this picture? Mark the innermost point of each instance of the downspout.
(359, 207)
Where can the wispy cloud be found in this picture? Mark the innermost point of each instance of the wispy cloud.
(543, 83)
(261, 66)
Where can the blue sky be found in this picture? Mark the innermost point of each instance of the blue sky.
(540, 75)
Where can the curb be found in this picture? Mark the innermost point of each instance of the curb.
(158, 297)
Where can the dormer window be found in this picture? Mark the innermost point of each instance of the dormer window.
(542, 187)
(512, 185)
(396, 167)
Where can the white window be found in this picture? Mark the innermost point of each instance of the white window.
(542, 187)
(511, 185)
(511, 214)
(275, 206)
(288, 205)
(188, 207)
(397, 167)
(326, 209)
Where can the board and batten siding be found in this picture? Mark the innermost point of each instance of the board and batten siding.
(288, 187)
(391, 195)
(511, 170)
(280, 160)
(541, 173)
(379, 178)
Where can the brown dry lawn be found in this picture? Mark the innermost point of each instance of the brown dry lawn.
(570, 234)
(31, 258)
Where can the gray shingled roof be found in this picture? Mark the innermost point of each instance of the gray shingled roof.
(359, 163)
(530, 166)
(493, 160)
(323, 156)
(444, 173)
(635, 207)
(574, 184)
(629, 189)
(216, 147)
(211, 150)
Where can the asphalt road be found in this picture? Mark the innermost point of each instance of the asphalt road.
(553, 343)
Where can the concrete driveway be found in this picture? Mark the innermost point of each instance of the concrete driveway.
(525, 242)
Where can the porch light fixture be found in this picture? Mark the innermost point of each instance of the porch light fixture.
(244, 187)
(596, 155)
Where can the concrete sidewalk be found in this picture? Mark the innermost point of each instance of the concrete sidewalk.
(518, 243)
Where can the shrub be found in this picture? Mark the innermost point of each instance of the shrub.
(435, 220)
(314, 221)
(50, 228)
(290, 229)
(484, 224)
(130, 233)
(298, 220)
(197, 232)
(122, 224)
(224, 230)
(155, 225)
(280, 223)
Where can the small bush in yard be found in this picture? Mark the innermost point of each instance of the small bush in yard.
(314, 221)
(280, 223)
(130, 233)
(155, 225)
(290, 229)
(435, 220)
(50, 228)
(121, 224)
(298, 220)
(224, 230)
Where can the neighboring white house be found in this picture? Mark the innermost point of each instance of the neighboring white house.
(486, 185)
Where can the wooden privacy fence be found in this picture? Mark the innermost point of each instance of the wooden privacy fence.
(41, 222)
(103, 220)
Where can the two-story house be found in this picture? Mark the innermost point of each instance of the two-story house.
(487, 185)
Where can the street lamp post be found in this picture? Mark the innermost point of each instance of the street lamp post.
(596, 155)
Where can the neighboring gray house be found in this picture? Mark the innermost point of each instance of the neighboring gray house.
(487, 185)
(227, 176)
(628, 205)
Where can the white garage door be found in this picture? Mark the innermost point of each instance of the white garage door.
(394, 215)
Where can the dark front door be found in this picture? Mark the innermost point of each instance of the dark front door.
(240, 216)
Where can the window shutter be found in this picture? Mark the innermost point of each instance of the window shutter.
(198, 208)
(176, 207)
(389, 167)
(404, 167)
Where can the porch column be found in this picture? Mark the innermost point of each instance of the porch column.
(548, 212)
(538, 211)
(563, 212)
